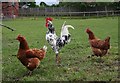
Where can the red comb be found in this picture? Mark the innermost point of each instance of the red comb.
(48, 19)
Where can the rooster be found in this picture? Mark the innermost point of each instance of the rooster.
(57, 42)
(99, 47)
(30, 58)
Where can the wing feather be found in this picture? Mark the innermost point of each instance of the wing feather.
(100, 44)
(35, 53)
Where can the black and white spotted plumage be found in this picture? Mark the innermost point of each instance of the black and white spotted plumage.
(58, 42)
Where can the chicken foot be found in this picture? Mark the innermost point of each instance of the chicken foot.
(58, 59)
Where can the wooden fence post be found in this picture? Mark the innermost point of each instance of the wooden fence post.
(97, 13)
(69, 12)
(84, 14)
(112, 13)
(60, 11)
(53, 11)
(45, 11)
(106, 10)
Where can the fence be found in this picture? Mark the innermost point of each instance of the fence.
(67, 11)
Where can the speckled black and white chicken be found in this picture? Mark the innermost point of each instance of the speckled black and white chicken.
(57, 42)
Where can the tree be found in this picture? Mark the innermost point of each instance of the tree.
(84, 5)
(43, 4)
(32, 4)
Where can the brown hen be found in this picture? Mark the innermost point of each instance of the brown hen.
(30, 58)
(98, 46)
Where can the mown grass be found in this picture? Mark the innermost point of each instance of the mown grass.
(75, 64)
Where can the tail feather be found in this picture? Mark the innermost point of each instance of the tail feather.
(107, 39)
(65, 31)
(45, 48)
(64, 24)
(107, 43)
(69, 26)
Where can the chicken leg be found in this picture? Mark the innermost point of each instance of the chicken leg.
(58, 59)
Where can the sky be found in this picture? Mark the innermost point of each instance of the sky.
(48, 2)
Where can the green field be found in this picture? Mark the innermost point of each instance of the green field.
(75, 64)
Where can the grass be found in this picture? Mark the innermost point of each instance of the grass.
(75, 64)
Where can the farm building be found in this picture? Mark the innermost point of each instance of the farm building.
(10, 9)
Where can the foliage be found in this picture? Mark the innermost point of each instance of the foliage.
(114, 5)
(43, 4)
(32, 4)
(81, 5)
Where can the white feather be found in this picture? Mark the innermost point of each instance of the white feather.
(45, 48)
(64, 24)
(64, 29)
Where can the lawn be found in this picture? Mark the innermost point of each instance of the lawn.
(75, 62)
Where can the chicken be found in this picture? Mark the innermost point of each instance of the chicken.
(56, 42)
(30, 58)
(99, 47)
